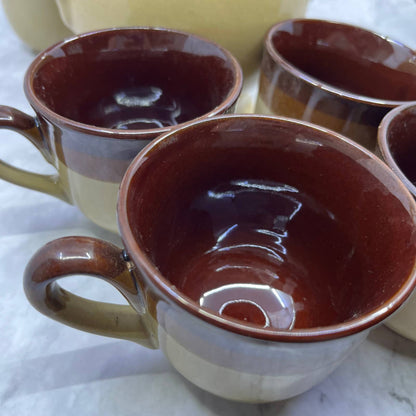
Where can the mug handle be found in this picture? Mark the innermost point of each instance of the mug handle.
(15, 120)
(88, 256)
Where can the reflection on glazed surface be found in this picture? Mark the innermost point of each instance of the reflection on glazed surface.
(144, 107)
(134, 88)
(244, 301)
(262, 256)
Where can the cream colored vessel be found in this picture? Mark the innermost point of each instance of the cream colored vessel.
(36, 22)
(237, 25)
(96, 199)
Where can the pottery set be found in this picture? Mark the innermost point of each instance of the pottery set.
(260, 249)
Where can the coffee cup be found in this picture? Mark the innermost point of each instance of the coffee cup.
(336, 75)
(397, 147)
(37, 22)
(100, 97)
(237, 25)
(258, 253)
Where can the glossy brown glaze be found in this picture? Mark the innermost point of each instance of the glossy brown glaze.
(101, 96)
(270, 202)
(87, 256)
(397, 143)
(336, 75)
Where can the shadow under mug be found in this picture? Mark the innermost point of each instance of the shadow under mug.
(397, 147)
(259, 251)
(335, 75)
(100, 97)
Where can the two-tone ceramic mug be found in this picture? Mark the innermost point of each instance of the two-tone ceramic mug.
(259, 252)
(336, 75)
(397, 146)
(100, 97)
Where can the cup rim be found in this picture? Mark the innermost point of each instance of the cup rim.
(137, 134)
(173, 295)
(322, 85)
(382, 140)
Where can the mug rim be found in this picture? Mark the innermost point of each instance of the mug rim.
(158, 281)
(382, 140)
(322, 85)
(137, 134)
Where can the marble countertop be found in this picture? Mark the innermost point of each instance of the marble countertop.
(47, 368)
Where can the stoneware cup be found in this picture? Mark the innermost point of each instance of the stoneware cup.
(397, 146)
(100, 97)
(237, 25)
(258, 253)
(36, 22)
(338, 76)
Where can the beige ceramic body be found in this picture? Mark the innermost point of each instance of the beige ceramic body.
(404, 321)
(237, 25)
(96, 199)
(242, 368)
(36, 22)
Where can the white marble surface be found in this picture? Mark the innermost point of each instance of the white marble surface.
(48, 369)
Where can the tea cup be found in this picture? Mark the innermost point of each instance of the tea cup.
(397, 147)
(100, 97)
(37, 22)
(258, 253)
(237, 25)
(339, 76)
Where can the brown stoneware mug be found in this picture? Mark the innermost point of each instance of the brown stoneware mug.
(338, 76)
(258, 253)
(100, 97)
(397, 146)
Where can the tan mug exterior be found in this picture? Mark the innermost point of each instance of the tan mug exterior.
(36, 22)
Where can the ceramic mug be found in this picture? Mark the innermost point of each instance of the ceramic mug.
(100, 97)
(37, 22)
(397, 146)
(237, 25)
(338, 76)
(259, 252)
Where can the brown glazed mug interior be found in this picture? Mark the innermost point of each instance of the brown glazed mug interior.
(270, 227)
(345, 60)
(137, 80)
(397, 143)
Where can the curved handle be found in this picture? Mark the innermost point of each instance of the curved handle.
(15, 120)
(87, 256)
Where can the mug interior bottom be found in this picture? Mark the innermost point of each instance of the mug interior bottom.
(262, 252)
(271, 222)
